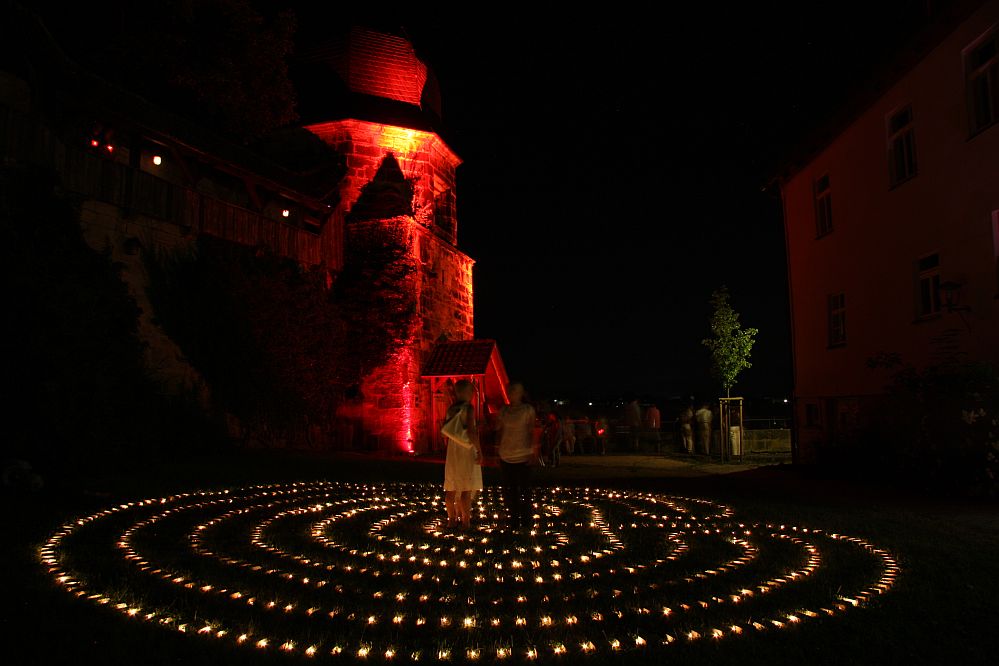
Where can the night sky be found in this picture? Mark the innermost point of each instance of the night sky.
(612, 176)
(614, 163)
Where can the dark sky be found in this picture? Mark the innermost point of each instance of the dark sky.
(613, 165)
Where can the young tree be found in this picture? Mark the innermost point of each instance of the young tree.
(731, 345)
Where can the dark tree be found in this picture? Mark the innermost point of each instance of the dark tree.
(75, 385)
(278, 348)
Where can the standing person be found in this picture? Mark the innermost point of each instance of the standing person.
(703, 416)
(686, 419)
(569, 435)
(633, 421)
(601, 431)
(551, 440)
(462, 471)
(515, 426)
(653, 421)
(584, 434)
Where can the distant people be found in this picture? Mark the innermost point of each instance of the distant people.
(734, 430)
(568, 435)
(653, 422)
(515, 426)
(703, 417)
(584, 435)
(686, 420)
(633, 422)
(462, 470)
(551, 440)
(601, 431)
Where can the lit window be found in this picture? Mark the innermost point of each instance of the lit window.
(928, 286)
(823, 207)
(981, 65)
(157, 160)
(901, 146)
(285, 213)
(837, 319)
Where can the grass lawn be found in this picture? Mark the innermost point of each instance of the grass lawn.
(942, 610)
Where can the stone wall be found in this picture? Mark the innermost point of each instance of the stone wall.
(423, 157)
(397, 403)
(777, 440)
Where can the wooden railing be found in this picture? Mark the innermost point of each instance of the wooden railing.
(25, 140)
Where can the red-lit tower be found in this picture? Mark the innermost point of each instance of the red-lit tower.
(388, 109)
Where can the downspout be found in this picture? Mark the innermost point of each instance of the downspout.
(795, 453)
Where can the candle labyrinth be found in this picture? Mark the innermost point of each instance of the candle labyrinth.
(340, 571)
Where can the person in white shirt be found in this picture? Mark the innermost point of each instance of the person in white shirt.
(703, 417)
(686, 420)
(462, 471)
(515, 425)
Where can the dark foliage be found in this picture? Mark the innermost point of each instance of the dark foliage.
(937, 427)
(389, 194)
(75, 386)
(279, 349)
(377, 291)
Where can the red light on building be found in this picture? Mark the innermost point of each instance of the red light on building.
(399, 410)
(110, 148)
(95, 143)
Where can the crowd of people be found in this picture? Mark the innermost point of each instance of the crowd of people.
(524, 437)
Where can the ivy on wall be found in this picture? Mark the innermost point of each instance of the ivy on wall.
(279, 344)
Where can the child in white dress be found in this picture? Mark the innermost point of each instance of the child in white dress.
(462, 471)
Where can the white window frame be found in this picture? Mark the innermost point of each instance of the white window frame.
(928, 277)
(987, 72)
(901, 139)
(823, 206)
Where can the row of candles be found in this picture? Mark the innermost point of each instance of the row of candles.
(352, 502)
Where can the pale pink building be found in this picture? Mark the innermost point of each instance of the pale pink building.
(892, 232)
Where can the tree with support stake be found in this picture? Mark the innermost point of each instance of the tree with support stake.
(731, 347)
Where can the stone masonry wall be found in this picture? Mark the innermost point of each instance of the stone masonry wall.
(397, 403)
(422, 156)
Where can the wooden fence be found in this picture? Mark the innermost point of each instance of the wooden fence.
(93, 176)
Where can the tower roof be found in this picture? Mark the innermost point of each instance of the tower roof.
(369, 75)
(459, 358)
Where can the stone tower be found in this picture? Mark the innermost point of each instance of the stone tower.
(387, 123)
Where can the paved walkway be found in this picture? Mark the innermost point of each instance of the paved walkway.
(611, 465)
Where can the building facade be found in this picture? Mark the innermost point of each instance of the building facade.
(400, 178)
(147, 178)
(892, 234)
